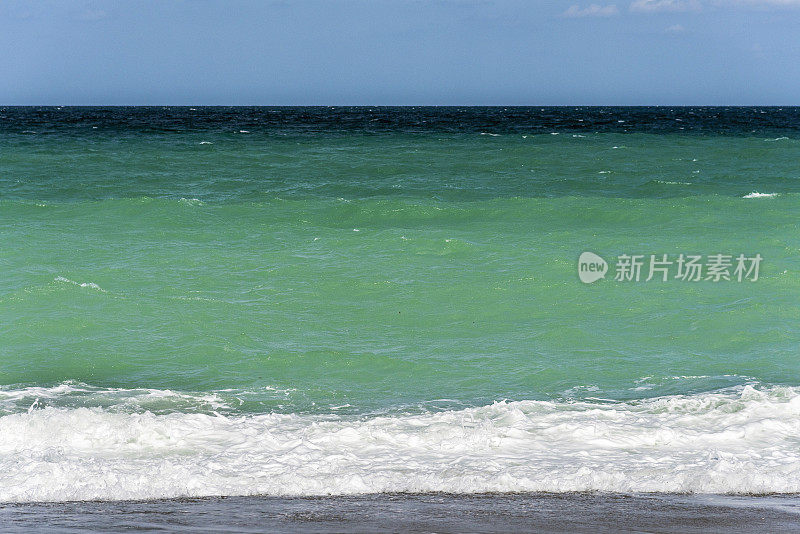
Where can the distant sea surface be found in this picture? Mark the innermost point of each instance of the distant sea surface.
(331, 301)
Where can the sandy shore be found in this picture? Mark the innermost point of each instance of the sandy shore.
(417, 513)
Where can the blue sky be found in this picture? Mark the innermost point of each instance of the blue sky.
(400, 52)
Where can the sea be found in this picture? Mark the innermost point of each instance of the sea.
(354, 302)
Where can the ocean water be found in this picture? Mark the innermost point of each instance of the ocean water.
(331, 301)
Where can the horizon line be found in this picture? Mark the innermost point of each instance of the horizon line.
(398, 105)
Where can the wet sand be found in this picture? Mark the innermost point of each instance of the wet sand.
(572, 512)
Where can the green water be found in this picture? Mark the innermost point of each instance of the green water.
(298, 301)
(376, 271)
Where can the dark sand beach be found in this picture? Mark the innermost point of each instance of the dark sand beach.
(542, 512)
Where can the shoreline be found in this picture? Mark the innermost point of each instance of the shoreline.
(427, 512)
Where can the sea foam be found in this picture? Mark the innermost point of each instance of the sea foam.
(737, 441)
(90, 285)
(756, 194)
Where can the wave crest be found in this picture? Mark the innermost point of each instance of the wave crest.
(742, 441)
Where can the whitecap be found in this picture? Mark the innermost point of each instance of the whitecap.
(90, 285)
(756, 194)
(740, 440)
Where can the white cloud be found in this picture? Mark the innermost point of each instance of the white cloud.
(675, 28)
(593, 10)
(650, 6)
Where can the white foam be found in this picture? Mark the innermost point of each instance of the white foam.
(756, 194)
(90, 285)
(69, 394)
(742, 441)
(670, 182)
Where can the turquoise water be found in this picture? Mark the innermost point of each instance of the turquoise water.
(232, 279)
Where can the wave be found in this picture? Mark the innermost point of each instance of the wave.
(90, 285)
(756, 194)
(734, 441)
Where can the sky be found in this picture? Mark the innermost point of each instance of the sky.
(399, 52)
